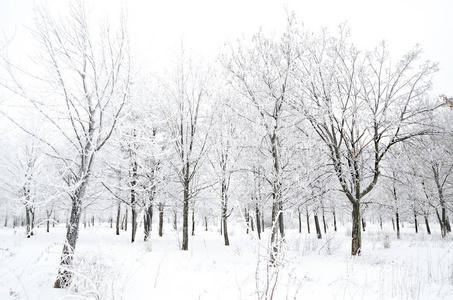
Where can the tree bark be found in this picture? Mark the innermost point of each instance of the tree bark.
(415, 222)
(118, 217)
(356, 230)
(428, 229)
(334, 220)
(308, 219)
(193, 222)
(258, 220)
(161, 218)
(28, 222)
(64, 274)
(300, 220)
(397, 217)
(318, 229)
(148, 220)
(185, 217)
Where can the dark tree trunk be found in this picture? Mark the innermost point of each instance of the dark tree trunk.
(148, 220)
(415, 222)
(175, 220)
(398, 234)
(118, 217)
(247, 220)
(92, 220)
(428, 229)
(308, 219)
(334, 220)
(356, 230)
(72, 234)
(318, 229)
(185, 217)
(393, 224)
(161, 218)
(258, 220)
(442, 222)
(300, 220)
(225, 224)
(206, 223)
(324, 223)
(447, 224)
(133, 200)
(133, 224)
(28, 222)
(281, 224)
(224, 199)
(48, 215)
(380, 221)
(193, 222)
(363, 224)
(225, 229)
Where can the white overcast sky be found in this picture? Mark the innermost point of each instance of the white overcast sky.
(158, 26)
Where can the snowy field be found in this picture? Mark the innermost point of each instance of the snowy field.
(110, 267)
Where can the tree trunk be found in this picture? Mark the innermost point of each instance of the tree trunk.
(133, 224)
(161, 218)
(308, 219)
(225, 228)
(193, 222)
(380, 221)
(225, 223)
(64, 274)
(300, 220)
(258, 220)
(28, 222)
(397, 216)
(48, 215)
(428, 229)
(125, 218)
(247, 220)
(324, 223)
(447, 224)
(118, 217)
(185, 217)
(393, 224)
(148, 220)
(415, 222)
(363, 224)
(175, 220)
(274, 233)
(281, 224)
(356, 230)
(443, 227)
(205, 223)
(318, 229)
(334, 220)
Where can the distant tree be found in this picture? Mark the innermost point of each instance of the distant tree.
(186, 94)
(261, 73)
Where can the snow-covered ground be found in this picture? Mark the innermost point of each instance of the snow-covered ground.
(110, 267)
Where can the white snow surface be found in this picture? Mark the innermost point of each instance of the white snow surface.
(418, 266)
